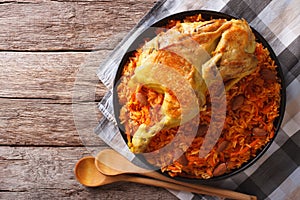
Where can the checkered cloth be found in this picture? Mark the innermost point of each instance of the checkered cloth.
(276, 175)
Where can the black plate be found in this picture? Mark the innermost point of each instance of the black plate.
(149, 33)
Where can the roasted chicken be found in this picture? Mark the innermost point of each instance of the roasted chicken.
(179, 64)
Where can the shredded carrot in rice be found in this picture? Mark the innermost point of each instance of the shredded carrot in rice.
(238, 142)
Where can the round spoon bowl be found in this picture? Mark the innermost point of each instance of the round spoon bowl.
(111, 163)
(87, 174)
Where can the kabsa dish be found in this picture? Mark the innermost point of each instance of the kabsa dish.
(156, 109)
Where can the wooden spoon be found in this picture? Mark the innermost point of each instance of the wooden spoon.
(110, 162)
(88, 175)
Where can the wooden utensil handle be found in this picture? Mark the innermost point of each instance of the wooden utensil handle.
(163, 184)
(173, 186)
(203, 188)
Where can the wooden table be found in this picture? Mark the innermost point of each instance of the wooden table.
(43, 44)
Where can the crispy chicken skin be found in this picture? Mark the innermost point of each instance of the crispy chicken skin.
(236, 48)
(191, 50)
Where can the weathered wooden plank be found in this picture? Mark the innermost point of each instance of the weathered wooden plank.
(47, 173)
(36, 91)
(120, 191)
(42, 122)
(66, 25)
(50, 75)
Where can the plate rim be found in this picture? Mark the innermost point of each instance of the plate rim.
(213, 15)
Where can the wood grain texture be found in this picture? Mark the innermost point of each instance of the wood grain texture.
(46, 123)
(36, 91)
(34, 25)
(50, 75)
(44, 45)
(47, 173)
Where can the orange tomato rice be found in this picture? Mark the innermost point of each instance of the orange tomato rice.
(247, 129)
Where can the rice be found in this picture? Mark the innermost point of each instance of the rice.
(248, 125)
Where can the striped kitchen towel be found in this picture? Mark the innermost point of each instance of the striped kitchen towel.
(276, 175)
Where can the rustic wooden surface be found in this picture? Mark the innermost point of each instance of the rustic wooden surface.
(43, 44)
